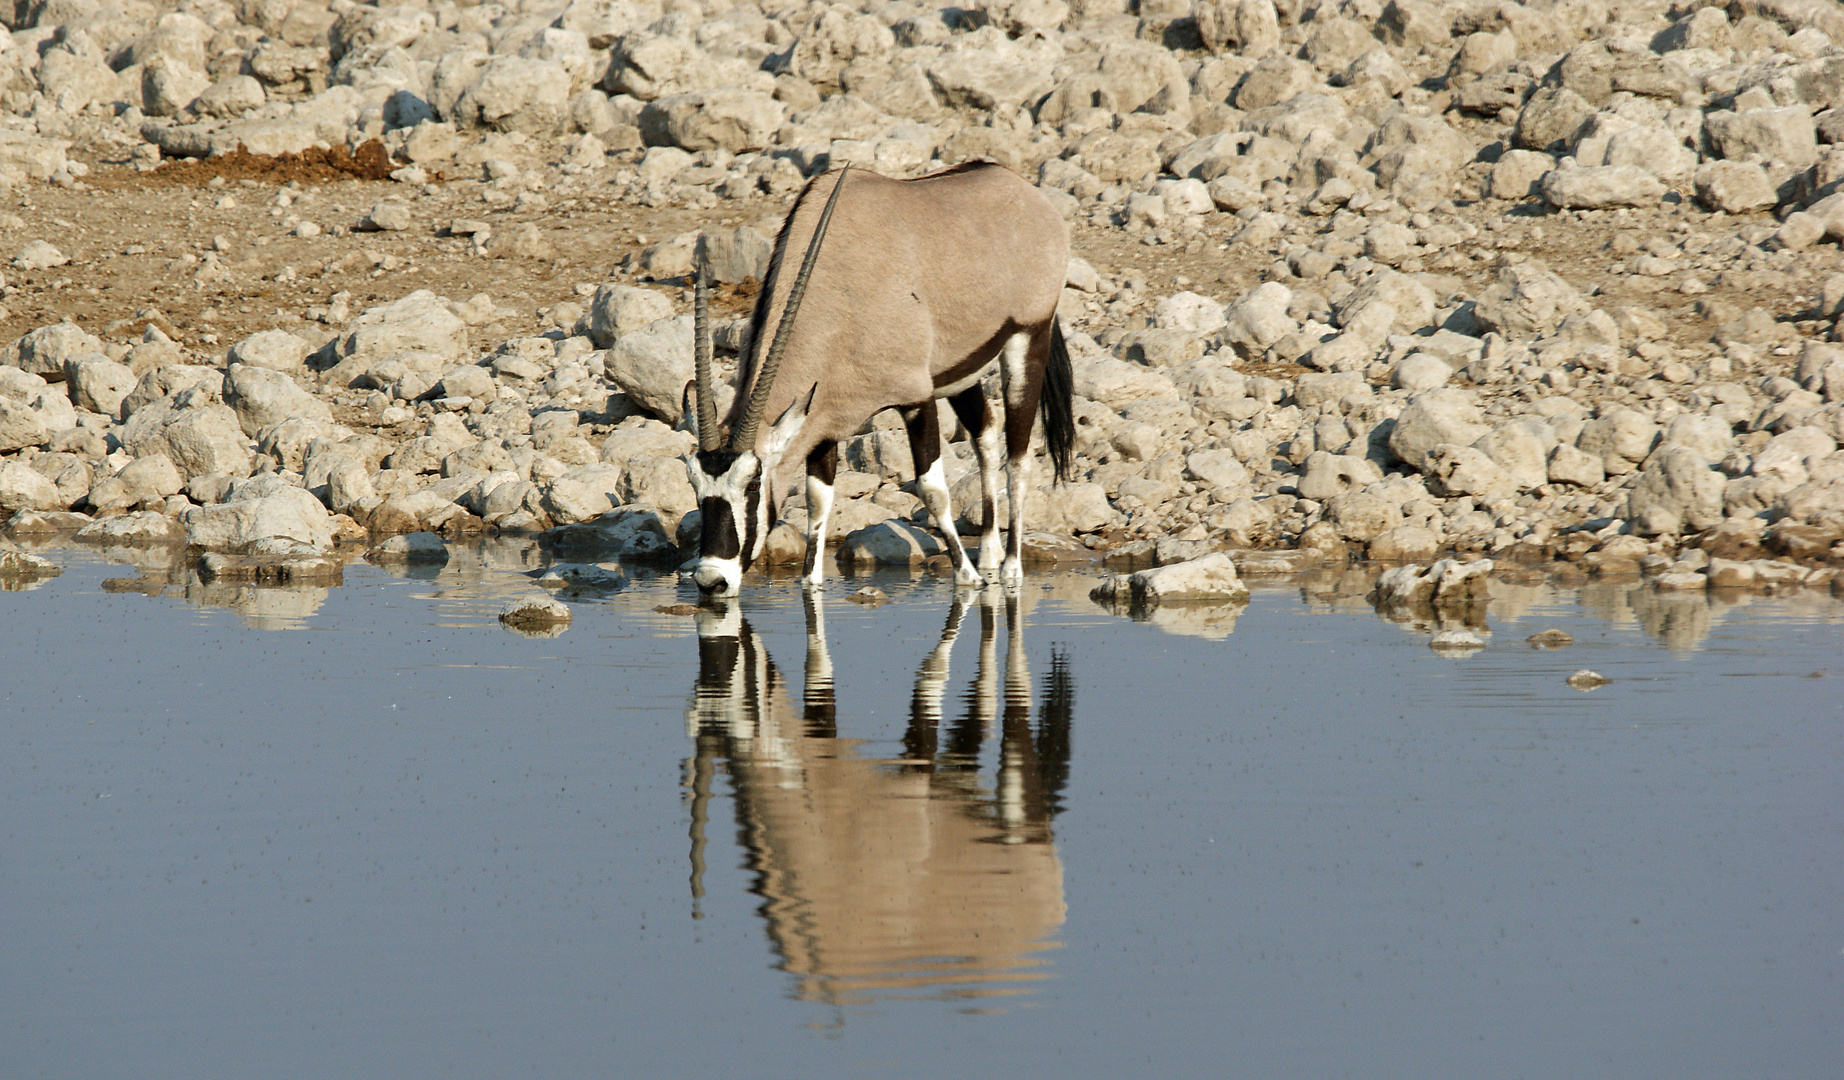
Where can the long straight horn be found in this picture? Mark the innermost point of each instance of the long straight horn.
(745, 434)
(701, 354)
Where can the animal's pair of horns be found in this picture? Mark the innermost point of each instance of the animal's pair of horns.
(744, 435)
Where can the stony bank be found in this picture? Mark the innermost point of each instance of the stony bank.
(1554, 282)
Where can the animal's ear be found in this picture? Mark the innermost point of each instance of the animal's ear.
(789, 425)
(688, 408)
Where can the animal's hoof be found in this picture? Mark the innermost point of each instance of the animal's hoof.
(968, 578)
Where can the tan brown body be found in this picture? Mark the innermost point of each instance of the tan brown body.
(937, 274)
(909, 291)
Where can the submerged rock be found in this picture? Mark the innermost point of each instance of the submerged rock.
(1210, 578)
(535, 615)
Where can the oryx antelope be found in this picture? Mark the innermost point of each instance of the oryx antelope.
(908, 291)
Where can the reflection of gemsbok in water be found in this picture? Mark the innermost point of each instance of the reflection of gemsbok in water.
(888, 878)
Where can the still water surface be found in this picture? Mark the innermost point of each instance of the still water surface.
(364, 832)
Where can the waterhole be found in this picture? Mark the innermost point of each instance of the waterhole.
(365, 831)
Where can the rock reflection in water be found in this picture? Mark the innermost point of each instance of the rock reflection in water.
(884, 879)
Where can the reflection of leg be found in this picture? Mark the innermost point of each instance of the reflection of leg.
(818, 696)
(924, 423)
(822, 470)
(1017, 664)
(1020, 787)
(983, 696)
(1053, 722)
(981, 419)
(931, 684)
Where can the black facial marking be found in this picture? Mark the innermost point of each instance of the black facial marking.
(717, 538)
(716, 462)
(752, 498)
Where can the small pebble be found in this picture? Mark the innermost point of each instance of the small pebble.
(1551, 639)
(870, 596)
(1588, 680)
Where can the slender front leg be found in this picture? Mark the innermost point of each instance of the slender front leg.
(924, 424)
(981, 419)
(1020, 414)
(822, 470)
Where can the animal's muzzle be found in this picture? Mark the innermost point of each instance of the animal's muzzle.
(714, 578)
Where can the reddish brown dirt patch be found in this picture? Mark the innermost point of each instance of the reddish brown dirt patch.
(311, 166)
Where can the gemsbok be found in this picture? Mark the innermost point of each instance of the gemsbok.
(909, 291)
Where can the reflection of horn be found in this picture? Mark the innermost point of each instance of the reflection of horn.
(744, 437)
(701, 353)
(698, 771)
(882, 878)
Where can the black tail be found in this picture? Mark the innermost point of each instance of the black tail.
(1056, 404)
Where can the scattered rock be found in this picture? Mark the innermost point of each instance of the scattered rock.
(284, 564)
(1210, 578)
(582, 579)
(418, 548)
(536, 615)
(1456, 643)
(1585, 680)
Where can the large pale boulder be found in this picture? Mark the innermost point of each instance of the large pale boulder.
(583, 493)
(622, 309)
(20, 426)
(890, 543)
(516, 93)
(43, 351)
(277, 350)
(1520, 448)
(98, 383)
(1678, 491)
(1248, 28)
(1620, 437)
(653, 365)
(1527, 301)
(421, 322)
(1462, 470)
(1601, 187)
(286, 513)
(720, 119)
(1258, 320)
(1433, 418)
(262, 397)
(1212, 577)
(24, 488)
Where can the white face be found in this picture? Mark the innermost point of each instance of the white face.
(736, 506)
(736, 516)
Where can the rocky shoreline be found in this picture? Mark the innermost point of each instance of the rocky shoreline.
(1554, 284)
